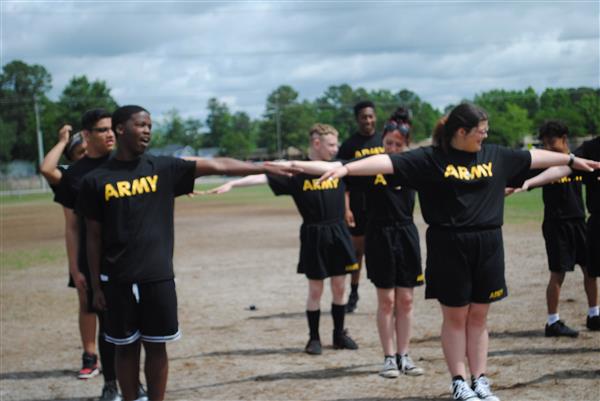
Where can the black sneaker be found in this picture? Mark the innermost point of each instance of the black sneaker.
(313, 347)
(593, 323)
(560, 329)
(89, 366)
(141, 395)
(110, 392)
(352, 302)
(343, 341)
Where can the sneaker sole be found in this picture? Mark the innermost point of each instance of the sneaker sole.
(88, 375)
(412, 372)
(390, 374)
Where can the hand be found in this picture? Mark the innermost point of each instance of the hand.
(338, 172)
(99, 300)
(218, 190)
(79, 281)
(585, 164)
(509, 191)
(349, 217)
(65, 133)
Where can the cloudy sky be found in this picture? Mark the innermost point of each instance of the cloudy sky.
(178, 54)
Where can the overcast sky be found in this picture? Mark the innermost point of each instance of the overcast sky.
(165, 55)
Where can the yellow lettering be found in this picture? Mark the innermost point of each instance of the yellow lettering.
(380, 179)
(307, 186)
(123, 187)
(420, 278)
(153, 181)
(451, 171)
(110, 192)
(497, 293)
(478, 171)
(139, 186)
(463, 173)
(488, 168)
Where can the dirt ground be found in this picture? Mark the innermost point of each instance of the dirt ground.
(229, 257)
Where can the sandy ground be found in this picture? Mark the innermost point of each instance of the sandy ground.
(229, 257)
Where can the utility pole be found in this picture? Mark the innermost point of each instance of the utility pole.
(39, 138)
(278, 122)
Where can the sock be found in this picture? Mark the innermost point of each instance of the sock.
(337, 313)
(107, 353)
(553, 318)
(594, 311)
(459, 377)
(313, 317)
(354, 288)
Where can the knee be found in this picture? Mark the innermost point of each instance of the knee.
(315, 293)
(405, 303)
(386, 306)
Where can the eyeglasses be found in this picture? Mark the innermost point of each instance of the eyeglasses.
(390, 126)
(101, 129)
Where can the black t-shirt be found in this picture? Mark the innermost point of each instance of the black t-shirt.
(67, 193)
(388, 201)
(461, 189)
(55, 187)
(562, 198)
(356, 147)
(317, 203)
(591, 150)
(134, 202)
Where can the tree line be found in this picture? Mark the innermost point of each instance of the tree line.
(285, 121)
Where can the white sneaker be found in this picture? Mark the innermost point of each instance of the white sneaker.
(481, 386)
(390, 368)
(462, 392)
(408, 367)
(110, 392)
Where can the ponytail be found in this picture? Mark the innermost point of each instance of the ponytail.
(465, 115)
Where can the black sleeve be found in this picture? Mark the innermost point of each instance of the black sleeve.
(585, 151)
(89, 200)
(344, 152)
(516, 165)
(65, 193)
(409, 167)
(280, 185)
(183, 173)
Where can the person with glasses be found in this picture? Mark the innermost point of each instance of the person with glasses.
(461, 185)
(365, 142)
(100, 140)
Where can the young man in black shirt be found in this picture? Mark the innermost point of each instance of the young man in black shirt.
(365, 142)
(564, 231)
(461, 185)
(71, 146)
(128, 203)
(99, 137)
(588, 150)
(325, 245)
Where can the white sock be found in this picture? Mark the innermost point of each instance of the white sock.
(594, 311)
(552, 318)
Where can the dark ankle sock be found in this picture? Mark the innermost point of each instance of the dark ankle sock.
(354, 288)
(459, 377)
(337, 313)
(313, 317)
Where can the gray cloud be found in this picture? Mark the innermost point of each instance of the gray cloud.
(177, 55)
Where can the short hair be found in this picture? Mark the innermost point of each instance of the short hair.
(553, 129)
(322, 130)
(124, 113)
(91, 117)
(402, 114)
(363, 104)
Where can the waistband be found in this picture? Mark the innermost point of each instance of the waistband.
(323, 223)
(469, 229)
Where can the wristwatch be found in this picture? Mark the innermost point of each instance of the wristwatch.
(571, 159)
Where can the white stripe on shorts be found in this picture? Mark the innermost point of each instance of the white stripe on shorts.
(123, 341)
(162, 339)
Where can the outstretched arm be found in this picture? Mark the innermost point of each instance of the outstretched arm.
(545, 158)
(247, 181)
(313, 167)
(229, 166)
(372, 165)
(49, 165)
(550, 175)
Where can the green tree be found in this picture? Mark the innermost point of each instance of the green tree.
(238, 141)
(20, 84)
(218, 122)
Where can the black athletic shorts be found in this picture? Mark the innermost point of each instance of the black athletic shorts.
(565, 244)
(393, 255)
(593, 244)
(326, 250)
(465, 266)
(358, 206)
(146, 311)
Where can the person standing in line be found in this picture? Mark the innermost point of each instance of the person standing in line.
(461, 185)
(325, 245)
(128, 204)
(365, 142)
(71, 146)
(99, 138)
